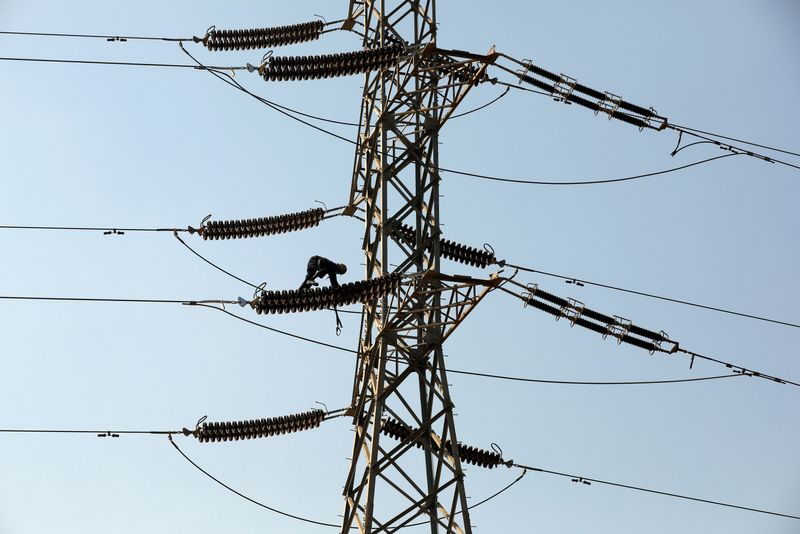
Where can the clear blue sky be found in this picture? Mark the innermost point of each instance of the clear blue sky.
(91, 145)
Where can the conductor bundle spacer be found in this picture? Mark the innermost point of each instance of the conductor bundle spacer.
(450, 249)
(471, 455)
(320, 298)
(279, 224)
(262, 37)
(259, 428)
(283, 68)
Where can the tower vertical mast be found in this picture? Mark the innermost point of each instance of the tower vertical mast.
(400, 375)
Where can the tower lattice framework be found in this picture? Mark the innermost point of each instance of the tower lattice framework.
(400, 373)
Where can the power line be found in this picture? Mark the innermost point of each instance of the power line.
(97, 36)
(214, 265)
(98, 432)
(591, 383)
(585, 182)
(653, 296)
(315, 522)
(737, 368)
(107, 229)
(589, 481)
(122, 63)
(730, 148)
(210, 304)
(226, 78)
(243, 496)
(124, 300)
(688, 130)
(606, 324)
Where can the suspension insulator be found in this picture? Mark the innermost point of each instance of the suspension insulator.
(476, 456)
(263, 37)
(449, 249)
(605, 327)
(471, 455)
(260, 428)
(291, 301)
(278, 224)
(278, 68)
(536, 83)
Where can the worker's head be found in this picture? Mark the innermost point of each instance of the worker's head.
(341, 268)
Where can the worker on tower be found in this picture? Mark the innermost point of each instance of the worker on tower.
(319, 267)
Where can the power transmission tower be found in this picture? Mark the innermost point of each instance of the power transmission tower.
(400, 373)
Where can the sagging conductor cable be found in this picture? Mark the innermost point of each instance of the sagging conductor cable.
(589, 481)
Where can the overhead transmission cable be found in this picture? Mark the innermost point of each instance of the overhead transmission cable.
(623, 330)
(589, 481)
(581, 281)
(299, 220)
(220, 73)
(211, 432)
(118, 63)
(210, 304)
(563, 88)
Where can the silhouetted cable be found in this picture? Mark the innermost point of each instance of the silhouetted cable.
(214, 265)
(254, 323)
(122, 63)
(622, 329)
(99, 36)
(107, 229)
(591, 383)
(589, 481)
(730, 148)
(484, 106)
(585, 182)
(124, 300)
(689, 130)
(737, 368)
(227, 78)
(650, 295)
(100, 433)
(243, 496)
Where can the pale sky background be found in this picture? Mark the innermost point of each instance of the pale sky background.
(123, 146)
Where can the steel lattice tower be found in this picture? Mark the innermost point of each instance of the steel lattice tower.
(400, 372)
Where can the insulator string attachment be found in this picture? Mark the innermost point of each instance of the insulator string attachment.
(471, 455)
(259, 428)
(450, 249)
(284, 68)
(577, 314)
(262, 37)
(318, 298)
(279, 224)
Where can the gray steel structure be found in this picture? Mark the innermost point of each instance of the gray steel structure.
(400, 371)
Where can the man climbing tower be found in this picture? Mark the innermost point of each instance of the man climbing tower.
(319, 267)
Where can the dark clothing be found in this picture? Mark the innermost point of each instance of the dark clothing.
(319, 267)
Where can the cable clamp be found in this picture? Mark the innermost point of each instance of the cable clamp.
(563, 88)
(572, 311)
(108, 434)
(581, 480)
(619, 328)
(530, 293)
